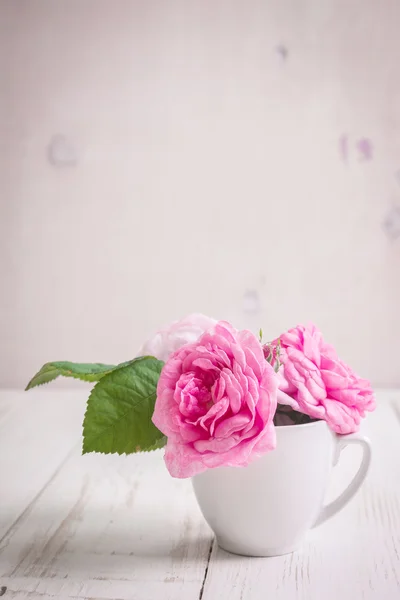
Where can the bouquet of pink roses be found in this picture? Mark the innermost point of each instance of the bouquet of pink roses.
(213, 395)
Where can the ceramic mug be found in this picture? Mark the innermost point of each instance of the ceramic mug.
(266, 509)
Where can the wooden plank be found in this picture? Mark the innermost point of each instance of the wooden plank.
(37, 431)
(109, 527)
(355, 555)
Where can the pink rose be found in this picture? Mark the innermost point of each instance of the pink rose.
(170, 338)
(216, 399)
(314, 381)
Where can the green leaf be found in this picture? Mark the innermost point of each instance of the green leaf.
(159, 444)
(119, 410)
(85, 372)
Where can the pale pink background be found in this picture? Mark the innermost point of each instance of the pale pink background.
(237, 158)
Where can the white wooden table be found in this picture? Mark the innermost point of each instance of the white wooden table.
(109, 527)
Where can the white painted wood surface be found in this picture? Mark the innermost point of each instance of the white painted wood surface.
(109, 527)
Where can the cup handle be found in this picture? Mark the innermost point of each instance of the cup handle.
(341, 441)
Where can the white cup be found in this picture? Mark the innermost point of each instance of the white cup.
(266, 509)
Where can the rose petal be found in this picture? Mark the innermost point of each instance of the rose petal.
(224, 374)
(320, 383)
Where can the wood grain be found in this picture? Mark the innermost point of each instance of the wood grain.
(107, 527)
(37, 432)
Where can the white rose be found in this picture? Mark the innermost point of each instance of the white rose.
(177, 334)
